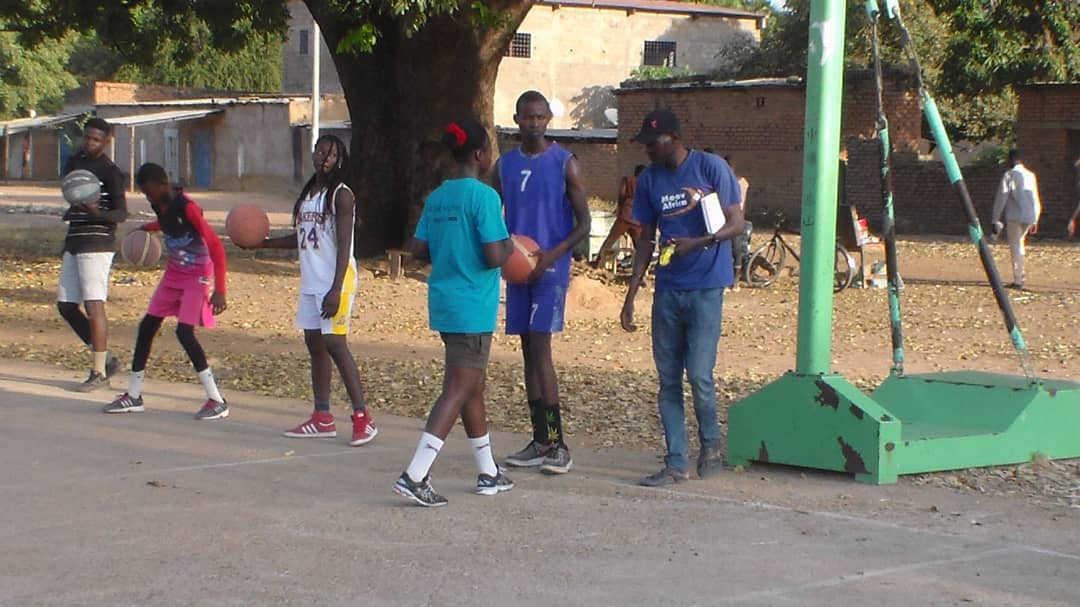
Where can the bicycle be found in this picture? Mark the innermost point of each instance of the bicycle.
(767, 261)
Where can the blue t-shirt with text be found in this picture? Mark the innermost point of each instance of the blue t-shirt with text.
(459, 217)
(670, 200)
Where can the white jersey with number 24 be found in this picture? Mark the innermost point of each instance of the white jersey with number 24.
(316, 239)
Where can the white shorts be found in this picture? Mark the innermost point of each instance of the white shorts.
(309, 310)
(84, 277)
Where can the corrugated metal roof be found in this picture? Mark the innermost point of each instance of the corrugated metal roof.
(159, 117)
(21, 125)
(568, 134)
(676, 84)
(658, 6)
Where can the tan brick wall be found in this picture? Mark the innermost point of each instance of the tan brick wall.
(923, 199)
(1048, 134)
(760, 127)
(579, 54)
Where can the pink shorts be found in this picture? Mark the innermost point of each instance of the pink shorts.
(185, 297)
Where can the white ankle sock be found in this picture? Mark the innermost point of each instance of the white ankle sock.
(206, 377)
(425, 455)
(481, 452)
(135, 383)
(99, 361)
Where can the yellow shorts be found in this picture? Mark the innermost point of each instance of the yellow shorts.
(309, 309)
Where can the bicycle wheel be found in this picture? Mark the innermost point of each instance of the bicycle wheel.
(765, 264)
(843, 269)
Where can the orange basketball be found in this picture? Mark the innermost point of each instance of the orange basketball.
(247, 225)
(521, 261)
(141, 248)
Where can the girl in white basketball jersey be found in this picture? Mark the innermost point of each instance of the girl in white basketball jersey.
(324, 217)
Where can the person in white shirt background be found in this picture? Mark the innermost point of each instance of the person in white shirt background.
(1018, 198)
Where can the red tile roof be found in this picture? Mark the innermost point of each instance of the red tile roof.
(657, 6)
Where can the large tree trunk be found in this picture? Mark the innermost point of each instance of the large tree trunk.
(405, 92)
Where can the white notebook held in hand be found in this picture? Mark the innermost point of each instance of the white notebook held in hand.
(713, 212)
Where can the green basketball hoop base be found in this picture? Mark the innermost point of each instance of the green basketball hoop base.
(910, 424)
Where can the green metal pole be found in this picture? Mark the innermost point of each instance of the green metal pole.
(824, 93)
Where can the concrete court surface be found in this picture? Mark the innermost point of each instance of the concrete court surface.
(158, 509)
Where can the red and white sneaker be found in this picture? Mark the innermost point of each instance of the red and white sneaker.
(363, 429)
(320, 425)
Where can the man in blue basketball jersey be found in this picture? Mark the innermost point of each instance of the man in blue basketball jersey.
(543, 197)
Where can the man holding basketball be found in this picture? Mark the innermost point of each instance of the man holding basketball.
(543, 196)
(88, 252)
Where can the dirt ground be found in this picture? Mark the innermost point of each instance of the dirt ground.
(607, 377)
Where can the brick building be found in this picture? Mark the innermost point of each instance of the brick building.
(760, 124)
(1048, 132)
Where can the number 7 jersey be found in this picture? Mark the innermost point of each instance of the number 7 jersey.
(536, 204)
(316, 241)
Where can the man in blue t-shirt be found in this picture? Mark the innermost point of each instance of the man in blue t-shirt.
(542, 191)
(695, 267)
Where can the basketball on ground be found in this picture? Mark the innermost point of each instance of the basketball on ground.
(247, 225)
(141, 248)
(521, 261)
(80, 187)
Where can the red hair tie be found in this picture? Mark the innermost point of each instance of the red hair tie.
(457, 132)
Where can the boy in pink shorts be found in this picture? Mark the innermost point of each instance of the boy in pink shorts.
(195, 255)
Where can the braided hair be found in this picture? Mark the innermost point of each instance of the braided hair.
(335, 178)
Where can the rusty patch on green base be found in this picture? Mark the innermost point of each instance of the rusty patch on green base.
(763, 453)
(857, 412)
(853, 462)
(827, 395)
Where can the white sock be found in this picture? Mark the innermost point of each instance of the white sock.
(425, 455)
(206, 377)
(135, 383)
(99, 361)
(481, 452)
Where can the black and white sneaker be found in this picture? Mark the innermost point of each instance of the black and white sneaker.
(95, 381)
(421, 492)
(492, 485)
(213, 410)
(558, 461)
(125, 403)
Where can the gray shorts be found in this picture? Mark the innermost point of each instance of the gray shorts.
(469, 350)
(84, 277)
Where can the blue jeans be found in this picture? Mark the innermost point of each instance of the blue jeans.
(685, 334)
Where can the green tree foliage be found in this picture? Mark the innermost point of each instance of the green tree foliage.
(254, 67)
(33, 78)
(993, 44)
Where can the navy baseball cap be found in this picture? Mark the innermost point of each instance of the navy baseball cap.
(656, 123)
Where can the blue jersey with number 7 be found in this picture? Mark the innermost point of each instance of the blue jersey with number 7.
(536, 204)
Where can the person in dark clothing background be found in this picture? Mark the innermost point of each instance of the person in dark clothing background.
(88, 252)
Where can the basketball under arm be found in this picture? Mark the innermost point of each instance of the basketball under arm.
(213, 244)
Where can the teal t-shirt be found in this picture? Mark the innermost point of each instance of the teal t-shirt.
(459, 217)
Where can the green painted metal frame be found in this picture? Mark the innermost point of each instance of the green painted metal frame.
(911, 423)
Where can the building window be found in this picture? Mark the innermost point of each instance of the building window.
(305, 41)
(659, 52)
(520, 46)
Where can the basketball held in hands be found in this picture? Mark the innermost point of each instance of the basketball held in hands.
(247, 225)
(522, 260)
(141, 248)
